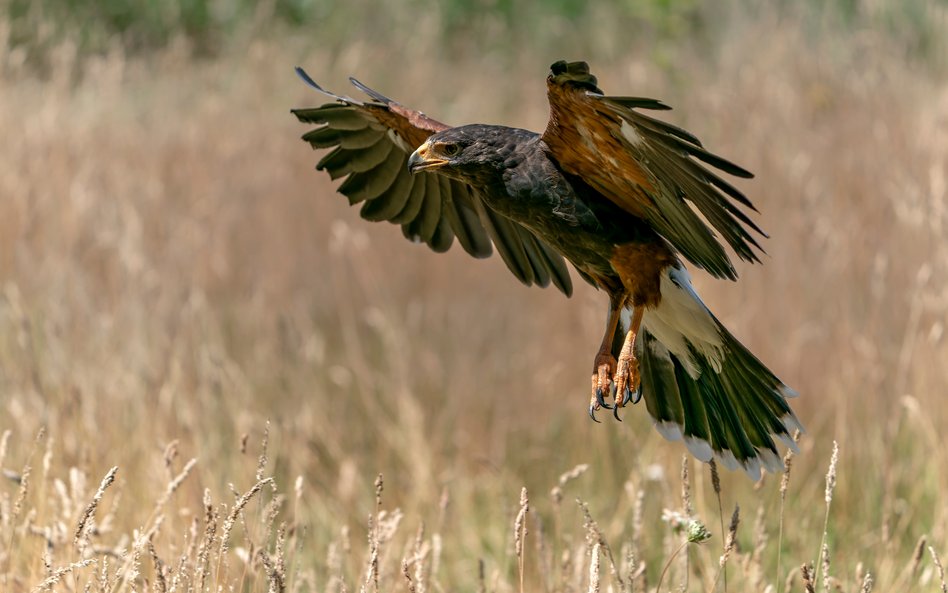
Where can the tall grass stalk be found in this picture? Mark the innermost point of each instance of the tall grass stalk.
(823, 555)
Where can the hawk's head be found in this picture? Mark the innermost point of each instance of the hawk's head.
(469, 153)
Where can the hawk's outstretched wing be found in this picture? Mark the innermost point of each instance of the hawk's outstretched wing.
(648, 167)
(371, 142)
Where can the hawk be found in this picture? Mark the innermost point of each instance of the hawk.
(623, 197)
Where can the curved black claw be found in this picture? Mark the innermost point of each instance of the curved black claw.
(592, 413)
(600, 399)
(636, 396)
(626, 395)
(615, 413)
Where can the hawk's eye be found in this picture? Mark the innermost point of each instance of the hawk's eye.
(450, 149)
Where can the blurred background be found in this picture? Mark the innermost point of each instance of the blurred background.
(173, 271)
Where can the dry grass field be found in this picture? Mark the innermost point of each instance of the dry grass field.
(184, 299)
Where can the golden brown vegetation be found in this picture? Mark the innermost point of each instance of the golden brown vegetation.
(178, 284)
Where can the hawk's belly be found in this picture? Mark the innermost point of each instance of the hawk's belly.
(613, 249)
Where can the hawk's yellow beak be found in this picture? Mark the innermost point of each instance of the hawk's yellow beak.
(422, 159)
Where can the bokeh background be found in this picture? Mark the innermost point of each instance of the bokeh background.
(178, 282)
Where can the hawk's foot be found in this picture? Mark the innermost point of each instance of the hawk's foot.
(603, 370)
(627, 378)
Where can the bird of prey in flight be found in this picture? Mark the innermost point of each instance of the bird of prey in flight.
(623, 197)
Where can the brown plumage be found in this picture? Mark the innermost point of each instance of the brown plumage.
(615, 193)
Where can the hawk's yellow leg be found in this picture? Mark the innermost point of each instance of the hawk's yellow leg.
(627, 377)
(604, 366)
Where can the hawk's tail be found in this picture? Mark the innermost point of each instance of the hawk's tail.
(703, 386)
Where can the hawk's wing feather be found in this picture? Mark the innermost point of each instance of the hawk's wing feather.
(546, 264)
(554, 262)
(414, 204)
(456, 209)
(341, 161)
(656, 125)
(651, 168)
(641, 103)
(370, 144)
(512, 249)
(392, 201)
(423, 227)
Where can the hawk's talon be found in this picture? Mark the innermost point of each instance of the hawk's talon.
(615, 413)
(592, 413)
(626, 395)
(602, 384)
(627, 376)
(637, 396)
(600, 399)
